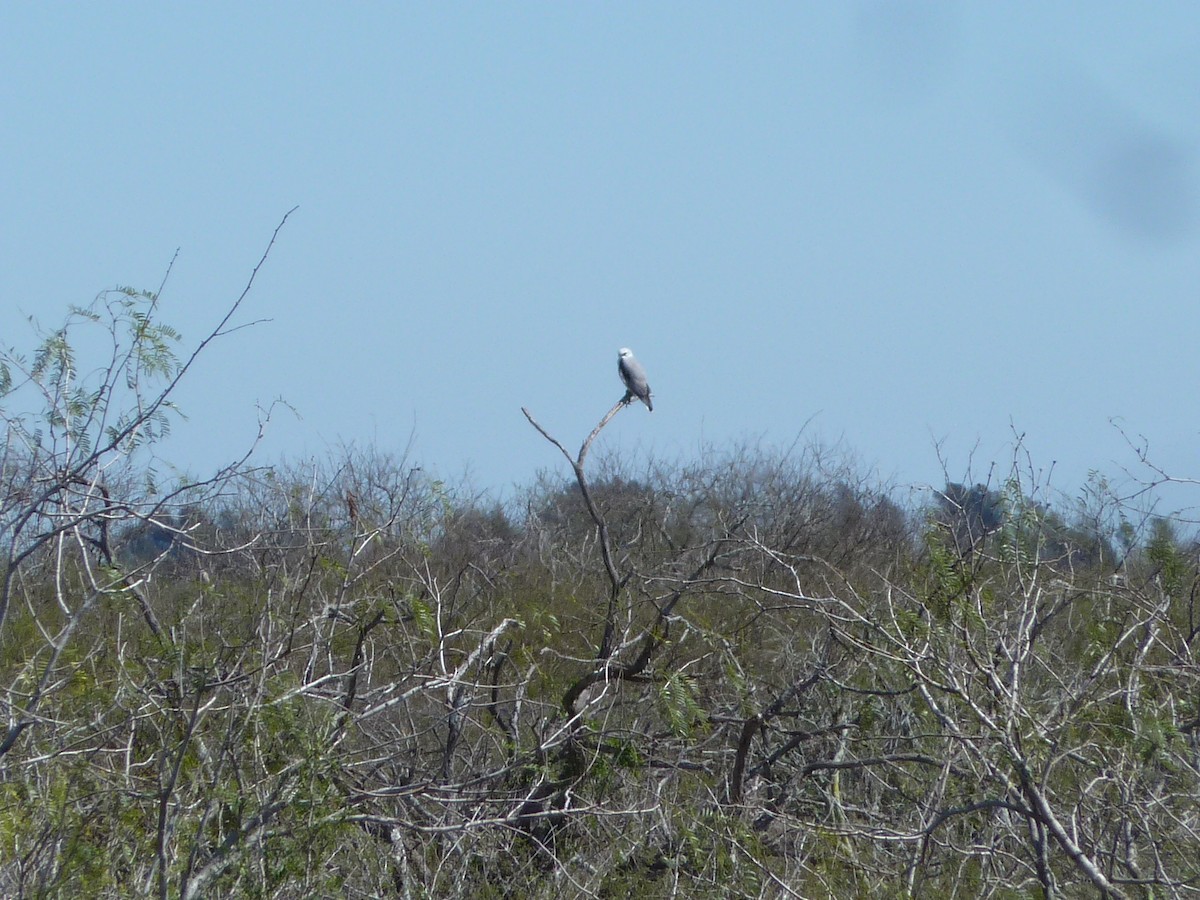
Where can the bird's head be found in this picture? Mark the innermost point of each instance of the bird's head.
(624, 352)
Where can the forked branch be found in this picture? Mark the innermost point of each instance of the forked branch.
(616, 580)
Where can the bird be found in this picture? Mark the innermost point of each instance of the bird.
(634, 376)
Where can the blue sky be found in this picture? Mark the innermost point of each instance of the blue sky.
(895, 224)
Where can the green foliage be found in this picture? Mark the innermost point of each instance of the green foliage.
(1164, 552)
(679, 698)
(944, 578)
(108, 408)
(423, 618)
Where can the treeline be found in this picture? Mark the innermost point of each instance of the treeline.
(750, 674)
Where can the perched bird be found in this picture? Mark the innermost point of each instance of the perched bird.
(634, 377)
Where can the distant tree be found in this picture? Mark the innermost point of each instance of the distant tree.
(969, 514)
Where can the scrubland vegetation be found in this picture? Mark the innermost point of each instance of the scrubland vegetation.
(751, 674)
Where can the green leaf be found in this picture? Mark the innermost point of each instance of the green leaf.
(678, 697)
(422, 617)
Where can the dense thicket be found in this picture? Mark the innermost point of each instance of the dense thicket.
(749, 674)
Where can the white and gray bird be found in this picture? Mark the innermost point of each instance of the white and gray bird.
(634, 376)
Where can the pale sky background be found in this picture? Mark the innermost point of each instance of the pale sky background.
(891, 223)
